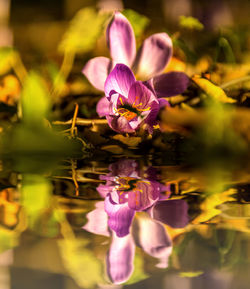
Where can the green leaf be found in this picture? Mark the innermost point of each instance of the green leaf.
(7, 58)
(35, 100)
(54, 74)
(83, 31)
(190, 23)
(225, 46)
(213, 91)
(138, 21)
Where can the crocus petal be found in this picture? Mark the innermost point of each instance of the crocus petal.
(149, 84)
(135, 123)
(120, 259)
(121, 40)
(163, 102)
(153, 239)
(154, 55)
(120, 217)
(96, 70)
(97, 221)
(119, 124)
(119, 81)
(116, 100)
(103, 107)
(171, 212)
(171, 83)
(151, 118)
(139, 95)
(103, 190)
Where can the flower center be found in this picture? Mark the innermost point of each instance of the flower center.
(130, 111)
(127, 184)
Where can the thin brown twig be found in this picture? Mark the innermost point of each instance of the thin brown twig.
(82, 122)
(72, 130)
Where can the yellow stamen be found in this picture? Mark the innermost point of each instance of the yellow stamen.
(129, 115)
(121, 101)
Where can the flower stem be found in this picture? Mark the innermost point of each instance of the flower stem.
(19, 68)
(21, 74)
(64, 72)
(235, 81)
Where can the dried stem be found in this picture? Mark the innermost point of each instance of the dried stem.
(235, 81)
(64, 72)
(72, 130)
(82, 122)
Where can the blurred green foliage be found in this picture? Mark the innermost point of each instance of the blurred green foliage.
(225, 48)
(54, 74)
(7, 58)
(35, 101)
(138, 21)
(218, 133)
(34, 133)
(83, 32)
(191, 23)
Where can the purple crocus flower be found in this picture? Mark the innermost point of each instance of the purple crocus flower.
(148, 63)
(128, 103)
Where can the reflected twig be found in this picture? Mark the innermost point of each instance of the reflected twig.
(74, 177)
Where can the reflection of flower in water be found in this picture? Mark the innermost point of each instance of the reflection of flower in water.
(129, 190)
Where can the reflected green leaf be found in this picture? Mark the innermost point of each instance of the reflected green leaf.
(191, 274)
(35, 196)
(8, 239)
(81, 262)
(83, 31)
